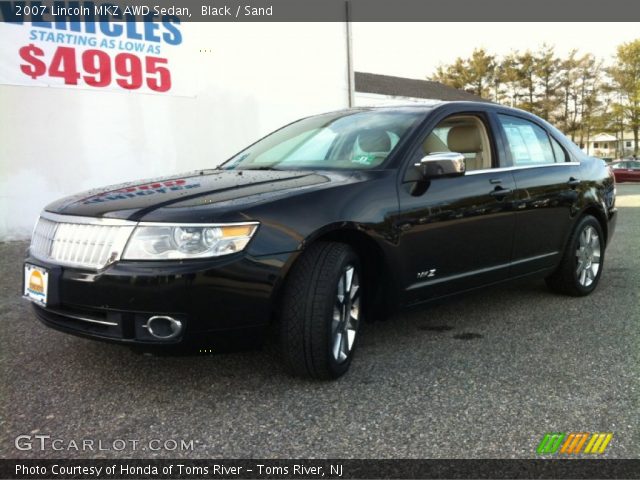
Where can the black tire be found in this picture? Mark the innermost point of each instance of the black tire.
(566, 279)
(306, 319)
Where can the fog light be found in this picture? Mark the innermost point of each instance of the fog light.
(163, 327)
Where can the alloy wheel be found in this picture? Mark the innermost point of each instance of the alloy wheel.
(588, 256)
(346, 314)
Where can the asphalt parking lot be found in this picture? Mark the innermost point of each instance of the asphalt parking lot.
(485, 376)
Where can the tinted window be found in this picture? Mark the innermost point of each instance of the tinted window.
(558, 151)
(342, 140)
(465, 134)
(529, 144)
(310, 144)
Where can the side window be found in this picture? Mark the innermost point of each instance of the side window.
(529, 144)
(558, 151)
(465, 134)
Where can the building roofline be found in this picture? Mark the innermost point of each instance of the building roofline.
(410, 88)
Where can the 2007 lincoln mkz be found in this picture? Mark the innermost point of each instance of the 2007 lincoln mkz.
(324, 224)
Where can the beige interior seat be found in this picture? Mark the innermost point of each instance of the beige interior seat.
(465, 134)
(433, 144)
(467, 139)
(371, 147)
(374, 140)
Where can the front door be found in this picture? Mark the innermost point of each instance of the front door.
(456, 233)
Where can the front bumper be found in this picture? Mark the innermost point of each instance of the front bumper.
(611, 226)
(209, 297)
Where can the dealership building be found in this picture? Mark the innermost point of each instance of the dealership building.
(83, 109)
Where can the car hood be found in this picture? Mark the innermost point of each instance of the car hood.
(135, 200)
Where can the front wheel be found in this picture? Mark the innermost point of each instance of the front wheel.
(322, 311)
(581, 266)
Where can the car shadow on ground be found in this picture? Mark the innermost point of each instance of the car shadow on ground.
(433, 324)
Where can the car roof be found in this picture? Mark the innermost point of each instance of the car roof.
(431, 105)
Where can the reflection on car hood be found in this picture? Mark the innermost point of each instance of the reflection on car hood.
(133, 200)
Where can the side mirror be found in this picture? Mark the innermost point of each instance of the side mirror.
(442, 164)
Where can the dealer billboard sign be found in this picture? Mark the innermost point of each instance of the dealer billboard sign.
(93, 46)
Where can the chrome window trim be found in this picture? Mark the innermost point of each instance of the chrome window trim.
(520, 167)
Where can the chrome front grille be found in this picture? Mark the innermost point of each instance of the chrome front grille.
(82, 242)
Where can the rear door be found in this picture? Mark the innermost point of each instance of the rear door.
(456, 233)
(546, 191)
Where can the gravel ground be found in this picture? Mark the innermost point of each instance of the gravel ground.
(484, 376)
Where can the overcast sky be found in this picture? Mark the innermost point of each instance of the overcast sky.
(416, 49)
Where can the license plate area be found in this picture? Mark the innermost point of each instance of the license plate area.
(36, 284)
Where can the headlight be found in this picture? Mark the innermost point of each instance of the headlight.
(157, 241)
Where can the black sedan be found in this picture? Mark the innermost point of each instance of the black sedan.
(330, 221)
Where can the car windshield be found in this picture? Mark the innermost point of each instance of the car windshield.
(344, 140)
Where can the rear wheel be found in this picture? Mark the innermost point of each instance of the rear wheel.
(322, 311)
(581, 266)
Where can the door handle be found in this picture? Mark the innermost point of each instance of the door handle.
(500, 192)
(573, 182)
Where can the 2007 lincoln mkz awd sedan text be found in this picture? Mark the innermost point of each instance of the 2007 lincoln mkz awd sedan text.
(328, 222)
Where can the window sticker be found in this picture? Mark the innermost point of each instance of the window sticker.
(529, 144)
(516, 143)
(364, 159)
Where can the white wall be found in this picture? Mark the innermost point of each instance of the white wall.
(257, 77)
